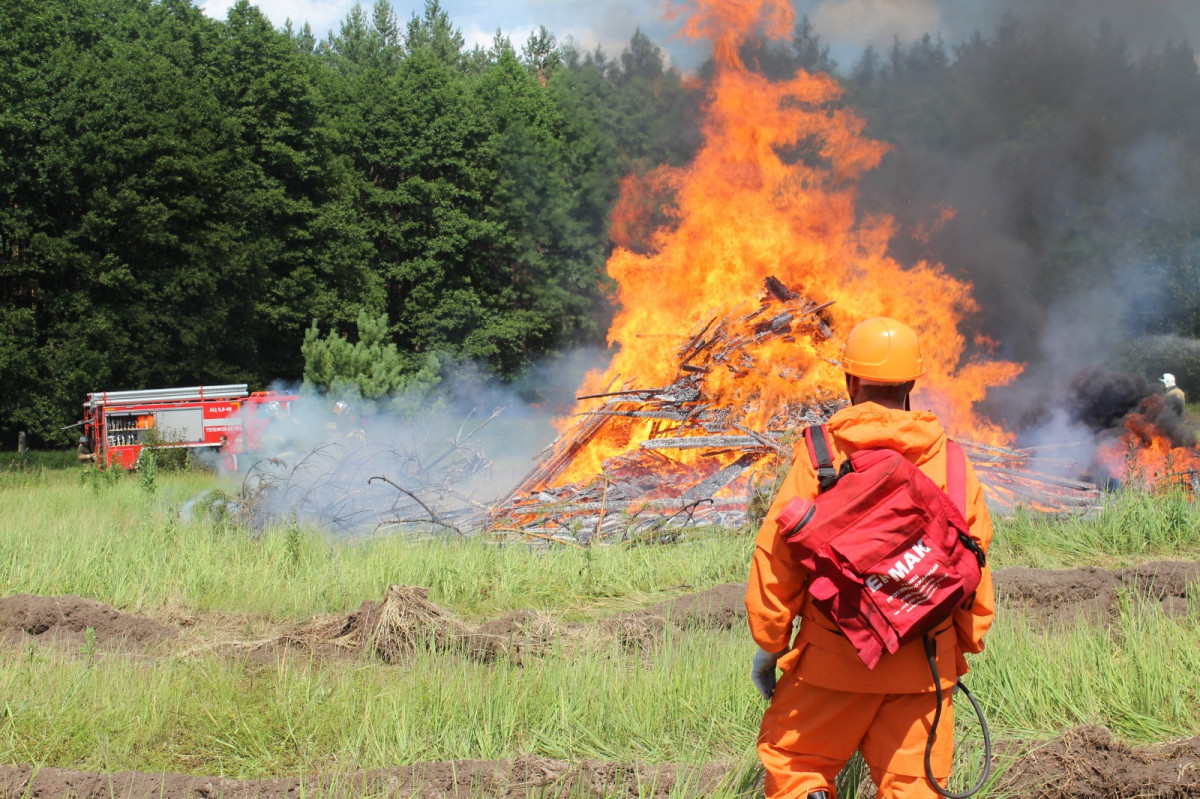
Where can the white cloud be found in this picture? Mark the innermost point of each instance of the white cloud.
(608, 26)
(322, 16)
(591, 25)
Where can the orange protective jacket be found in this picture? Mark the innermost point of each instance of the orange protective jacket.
(776, 594)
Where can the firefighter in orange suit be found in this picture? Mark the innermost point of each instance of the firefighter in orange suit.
(826, 704)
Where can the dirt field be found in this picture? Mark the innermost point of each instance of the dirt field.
(462, 778)
(1082, 762)
(406, 613)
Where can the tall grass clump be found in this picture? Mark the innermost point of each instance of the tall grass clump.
(147, 470)
(1139, 676)
(103, 539)
(1132, 525)
(687, 701)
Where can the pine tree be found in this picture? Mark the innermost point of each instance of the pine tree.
(369, 369)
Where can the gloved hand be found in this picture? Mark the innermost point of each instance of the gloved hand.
(763, 672)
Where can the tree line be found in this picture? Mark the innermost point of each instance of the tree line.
(181, 197)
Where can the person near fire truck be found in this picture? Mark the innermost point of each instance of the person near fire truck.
(84, 452)
(344, 424)
(826, 704)
(228, 457)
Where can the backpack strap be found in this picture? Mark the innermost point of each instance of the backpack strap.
(956, 476)
(818, 453)
(956, 488)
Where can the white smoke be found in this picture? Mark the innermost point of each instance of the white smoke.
(435, 464)
(875, 22)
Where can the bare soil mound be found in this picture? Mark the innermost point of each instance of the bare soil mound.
(1065, 594)
(405, 619)
(521, 634)
(67, 619)
(1062, 595)
(1073, 594)
(1086, 763)
(391, 629)
(722, 607)
(463, 778)
(1082, 763)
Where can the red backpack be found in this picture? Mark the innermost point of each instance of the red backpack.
(889, 552)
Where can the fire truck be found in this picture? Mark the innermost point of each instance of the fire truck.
(120, 424)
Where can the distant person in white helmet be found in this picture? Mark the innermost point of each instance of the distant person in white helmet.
(337, 421)
(1175, 398)
(342, 425)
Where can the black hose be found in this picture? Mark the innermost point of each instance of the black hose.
(931, 655)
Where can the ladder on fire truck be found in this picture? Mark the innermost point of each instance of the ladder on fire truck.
(188, 394)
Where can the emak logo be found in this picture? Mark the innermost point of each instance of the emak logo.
(901, 567)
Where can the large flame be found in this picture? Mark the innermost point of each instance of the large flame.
(772, 192)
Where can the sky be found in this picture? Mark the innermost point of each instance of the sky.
(847, 26)
(609, 24)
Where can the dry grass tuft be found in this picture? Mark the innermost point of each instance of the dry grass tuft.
(406, 620)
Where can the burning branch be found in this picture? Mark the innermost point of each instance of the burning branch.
(688, 465)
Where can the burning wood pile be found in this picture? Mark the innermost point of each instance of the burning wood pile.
(698, 462)
(694, 466)
(1010, 481)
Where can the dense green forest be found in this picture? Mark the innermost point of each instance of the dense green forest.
(181, 197)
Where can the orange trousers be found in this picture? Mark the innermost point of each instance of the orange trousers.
(809, 733)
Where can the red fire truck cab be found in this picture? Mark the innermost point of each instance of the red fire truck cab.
(120, 424)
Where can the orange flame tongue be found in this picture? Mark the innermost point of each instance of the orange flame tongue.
(1145, 454)
(772, 192)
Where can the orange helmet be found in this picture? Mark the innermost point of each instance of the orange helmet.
(883, 350)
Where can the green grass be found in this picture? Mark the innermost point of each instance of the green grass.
(102, 535)
(1141, 678)
(106, 536)
(38, 459)
(224, 714)
(108, 539)
(1132, 526)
